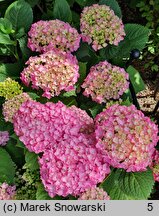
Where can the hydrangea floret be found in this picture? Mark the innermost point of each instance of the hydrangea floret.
(10, 107)
(53, 34)
(105, 82)
(7, 192)
(94, 194)
(73, 167)
(4, 138)
(52, 72)
(41, 126)
(155, 165)
(9, 88)
(100, 26)
(127, 137)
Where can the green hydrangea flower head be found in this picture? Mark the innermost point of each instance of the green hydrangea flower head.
(10, 88)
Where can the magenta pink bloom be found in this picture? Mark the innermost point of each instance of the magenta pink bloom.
(94, 194)
(52, 72)
(155, 165)
(105, 82)
(7, 192)
(72, 167)
(127, 137)
(41, 126)
(53, 34)
(100, 26)
(4, 138)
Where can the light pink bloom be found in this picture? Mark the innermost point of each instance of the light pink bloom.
(105, 82)
(52, 72)
(94, 194)
(7, 192)
(53, 34)
(4, 137)
(100, 26)
(10, 107)
(127, 137)
(155, 165)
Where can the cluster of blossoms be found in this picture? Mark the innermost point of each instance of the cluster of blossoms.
(7, 192)
(155, 165)
(70, 163)
(127, 137)
(42, 126)
(94, 194)
(72, 167)
(4, 137)
(105, 82)
(54, 34)
(9, 88)
(52, 72)
(10, 107)
(100, 26)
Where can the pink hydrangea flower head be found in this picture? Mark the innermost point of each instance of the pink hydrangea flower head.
(54, 34)
(94, 194)
(7, 192)
(127, 137)
(52, 72)
(100, 26)
(41, 126)
(10, 107)
(4, 137)
(155, 165)
(105, 82)
(72, 167)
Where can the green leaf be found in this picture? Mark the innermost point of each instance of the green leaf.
(5, 26)
(7, 167)
(83, 53)
(127, 102)
(42, 194)
(76, 20)
(96, 110)
(71, 2)
(122, 185)
(136, 38)
(136, 79)
(17, 154)
(82, 72)
(10, 70)
(6, 50)
(69, 94)
(62, 11)
(20, 33)
(5, 126)
(86, 2)
(113, 4)
(5, 39)
(19, 143)
(82, 2)
(69, 101)
(32, 2)
(26, 53)
(31, 160)
(20, 15)
(126, 96)
(33, 95)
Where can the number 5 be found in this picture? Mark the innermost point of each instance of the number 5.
(150, 206)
